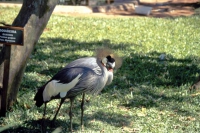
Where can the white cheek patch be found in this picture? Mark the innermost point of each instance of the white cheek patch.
(113, 65)
(53, 88)
(104, 61)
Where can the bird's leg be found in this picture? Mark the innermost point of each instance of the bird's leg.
(70, 112)
(61, 102)
(43, 123)
(44, 113)
(82, 110)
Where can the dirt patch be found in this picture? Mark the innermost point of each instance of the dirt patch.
(173, 11)
(172, 8)
(128, 10)
(157, 11)
(167, 8)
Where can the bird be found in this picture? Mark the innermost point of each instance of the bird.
(81, 76)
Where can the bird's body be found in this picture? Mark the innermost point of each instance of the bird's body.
(84, 75)
(81, 75)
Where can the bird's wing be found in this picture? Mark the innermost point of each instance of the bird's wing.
(88, 62)
(55, 88)
(90, 82)
(62, 82)
(71, 82)
(81, 75)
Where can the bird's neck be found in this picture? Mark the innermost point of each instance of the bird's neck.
(108, 74)
(102, 64)
(102, 67)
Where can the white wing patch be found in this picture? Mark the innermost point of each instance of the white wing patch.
(53, 88)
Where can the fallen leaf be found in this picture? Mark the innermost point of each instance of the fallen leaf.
(196, 94)
(143, 112)
(162, 113)
(172, 114)
(190, 118)
(127, 129)
(176, 126)
(136, 130)
(27, 106)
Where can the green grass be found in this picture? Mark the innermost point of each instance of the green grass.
(147, 95)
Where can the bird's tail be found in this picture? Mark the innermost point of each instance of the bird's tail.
(39, 97)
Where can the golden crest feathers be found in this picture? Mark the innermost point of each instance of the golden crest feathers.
(104, 52)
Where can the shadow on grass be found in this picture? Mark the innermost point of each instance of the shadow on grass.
(168, 72)
(112, 118)
(32, 126)
(161, 83)
(43, 126)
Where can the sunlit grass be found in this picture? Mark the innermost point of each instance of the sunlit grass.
(148, 94)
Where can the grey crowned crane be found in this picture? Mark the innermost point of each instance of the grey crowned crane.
(84, 75)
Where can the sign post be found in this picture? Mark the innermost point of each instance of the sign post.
(11, 35)
(8, 36)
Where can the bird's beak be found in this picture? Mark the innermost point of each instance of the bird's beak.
(110, 66)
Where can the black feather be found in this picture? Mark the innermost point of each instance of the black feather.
(110, 59)
(39, 96)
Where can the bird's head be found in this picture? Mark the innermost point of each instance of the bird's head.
(109, 63)
(109, 59)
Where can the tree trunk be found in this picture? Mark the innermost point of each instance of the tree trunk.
(33, 16)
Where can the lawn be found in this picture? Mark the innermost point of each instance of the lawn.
(149, 93)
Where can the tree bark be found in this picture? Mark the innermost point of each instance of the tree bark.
(33, 16)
